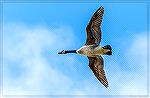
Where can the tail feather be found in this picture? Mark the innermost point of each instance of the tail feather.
(109, 48)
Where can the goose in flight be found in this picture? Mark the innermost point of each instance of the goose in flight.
(92, 49)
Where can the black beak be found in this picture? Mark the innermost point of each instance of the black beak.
(59, 52)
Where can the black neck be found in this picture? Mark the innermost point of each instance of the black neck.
(70, 51)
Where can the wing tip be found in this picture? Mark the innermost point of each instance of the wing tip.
(101, 8)
(107, 86)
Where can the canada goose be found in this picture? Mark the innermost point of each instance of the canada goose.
(92, 49)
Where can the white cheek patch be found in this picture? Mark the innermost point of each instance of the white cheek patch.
(63, 51)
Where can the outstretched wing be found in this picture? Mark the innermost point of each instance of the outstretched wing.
(93, 28)
(96, 64)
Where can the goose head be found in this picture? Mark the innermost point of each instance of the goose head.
(62, 52)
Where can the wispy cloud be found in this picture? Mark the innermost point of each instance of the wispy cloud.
(30, 55)
(129, 75)
(32, 66)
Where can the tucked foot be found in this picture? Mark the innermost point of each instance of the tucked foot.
(109, 52)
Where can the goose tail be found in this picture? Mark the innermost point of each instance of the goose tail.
(108, 47)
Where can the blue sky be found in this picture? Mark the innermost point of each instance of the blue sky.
(33, 33)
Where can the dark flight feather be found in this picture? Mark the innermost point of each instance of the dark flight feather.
(96, 64)
(93, 28)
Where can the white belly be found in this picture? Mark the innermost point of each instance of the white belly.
(90, 51)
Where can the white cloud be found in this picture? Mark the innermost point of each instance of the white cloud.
(32, 53)
(137, 57)
(137, 52)
(130, 77)
(127, 72)
(24, 49)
